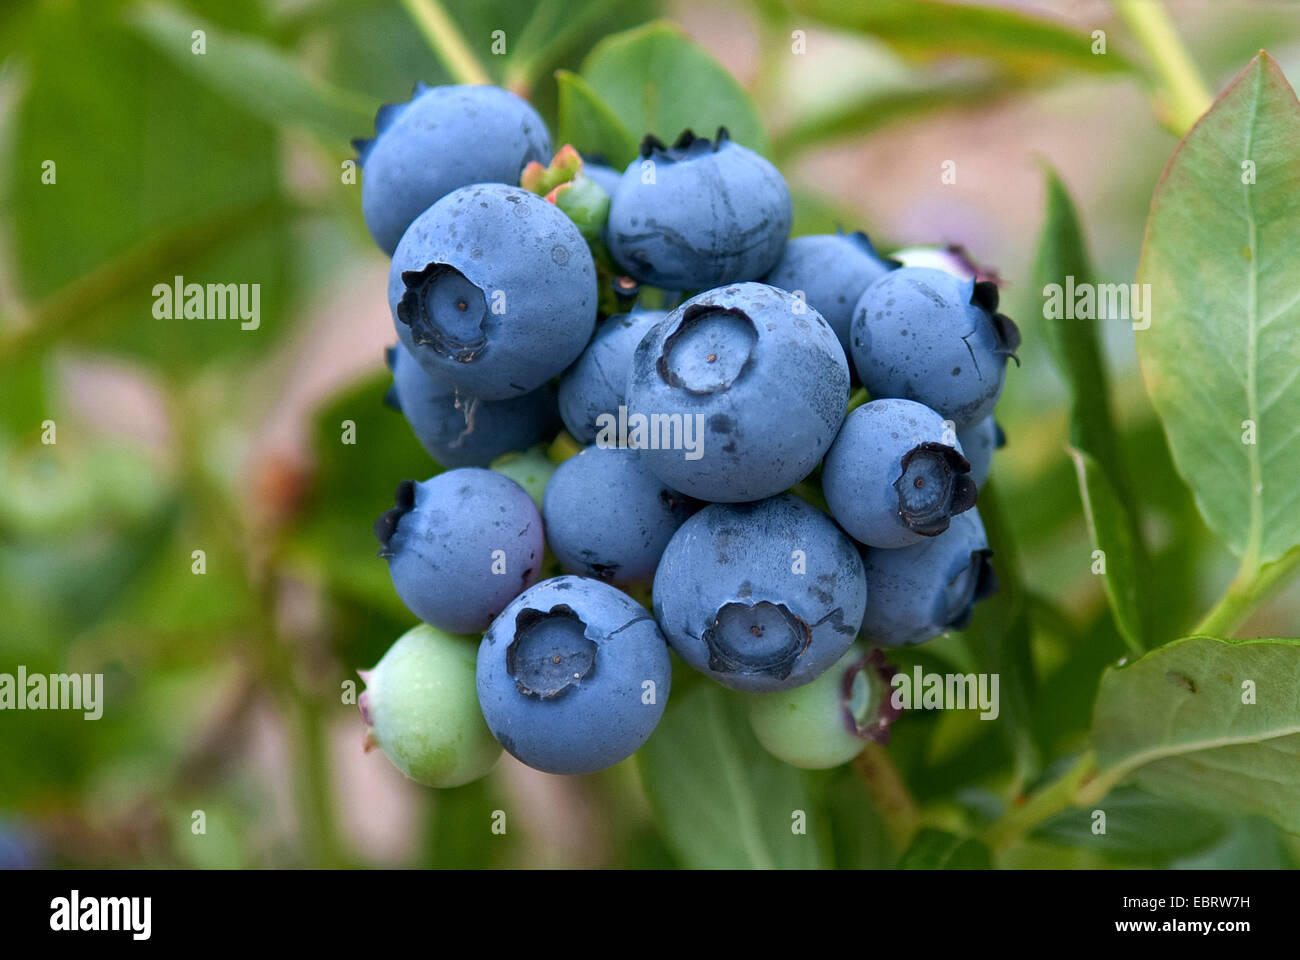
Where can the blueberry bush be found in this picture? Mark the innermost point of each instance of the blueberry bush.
(908, 584)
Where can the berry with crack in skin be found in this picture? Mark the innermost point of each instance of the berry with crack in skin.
(608, 517)
(832, 270)
(922, 334)
(769, 386)
(463, 431)
(828, 722)
(597, 381)
(896, 474)
(493, 291)
(573, 676)
(760, 596)
(921, 591)
(420, 709)
(442, 139)
(461, 546)
(713, 212)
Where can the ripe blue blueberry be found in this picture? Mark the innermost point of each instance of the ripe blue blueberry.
(608, 517)
(573, 676)
(461, 546)
(920, 591)
(896, 474)
(597, 381)
(922, 334)
(831, 270)
(493, 291)
(698, 214)
(420, 709)
(978, 443)
(760, 596)
(758, 386)
(463, 431)
(827, 722)
(442, 139)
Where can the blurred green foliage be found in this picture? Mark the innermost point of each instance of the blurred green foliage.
(226, 689)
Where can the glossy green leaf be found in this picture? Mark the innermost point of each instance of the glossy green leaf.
(1210, 722)
(1111, 529)
(1220, 356)
(657, 81)
(722, 801)
(590, 125)
(1014, 42)
(933, 849)
(256, 75)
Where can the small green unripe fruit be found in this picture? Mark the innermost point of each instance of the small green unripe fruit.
(827, 722)
(531, 469)
(421, 708)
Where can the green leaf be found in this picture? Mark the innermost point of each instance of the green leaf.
(1210, 722)
(1111, 529)
(154, 199)
(555, 27)
(354, 484)
(1062, 260)
(1014, 42)
(722, 801)
(1138, 827)
(262, 79)
(1062, 264)
(458, 839)
(123, 279)
(877, 108)
(859, 837)
(1252, 843)
(933, 849)
(659, 82)
(589, 123)
(1220, 353)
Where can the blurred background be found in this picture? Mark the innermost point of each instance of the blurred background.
(225, 690)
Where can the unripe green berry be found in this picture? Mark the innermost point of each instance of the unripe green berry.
(421, 708)
(531, 469)
(827, 722)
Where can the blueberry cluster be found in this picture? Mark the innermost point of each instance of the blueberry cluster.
(774, 444)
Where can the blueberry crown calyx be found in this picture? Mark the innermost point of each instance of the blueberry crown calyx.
(386, 525)
(685, 146)
(984, 294)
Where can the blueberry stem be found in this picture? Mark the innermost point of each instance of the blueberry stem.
(1021, 817)
(444, 39)
(1183, 95)
(889, 792)
(528, 57)
(1251, 586)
